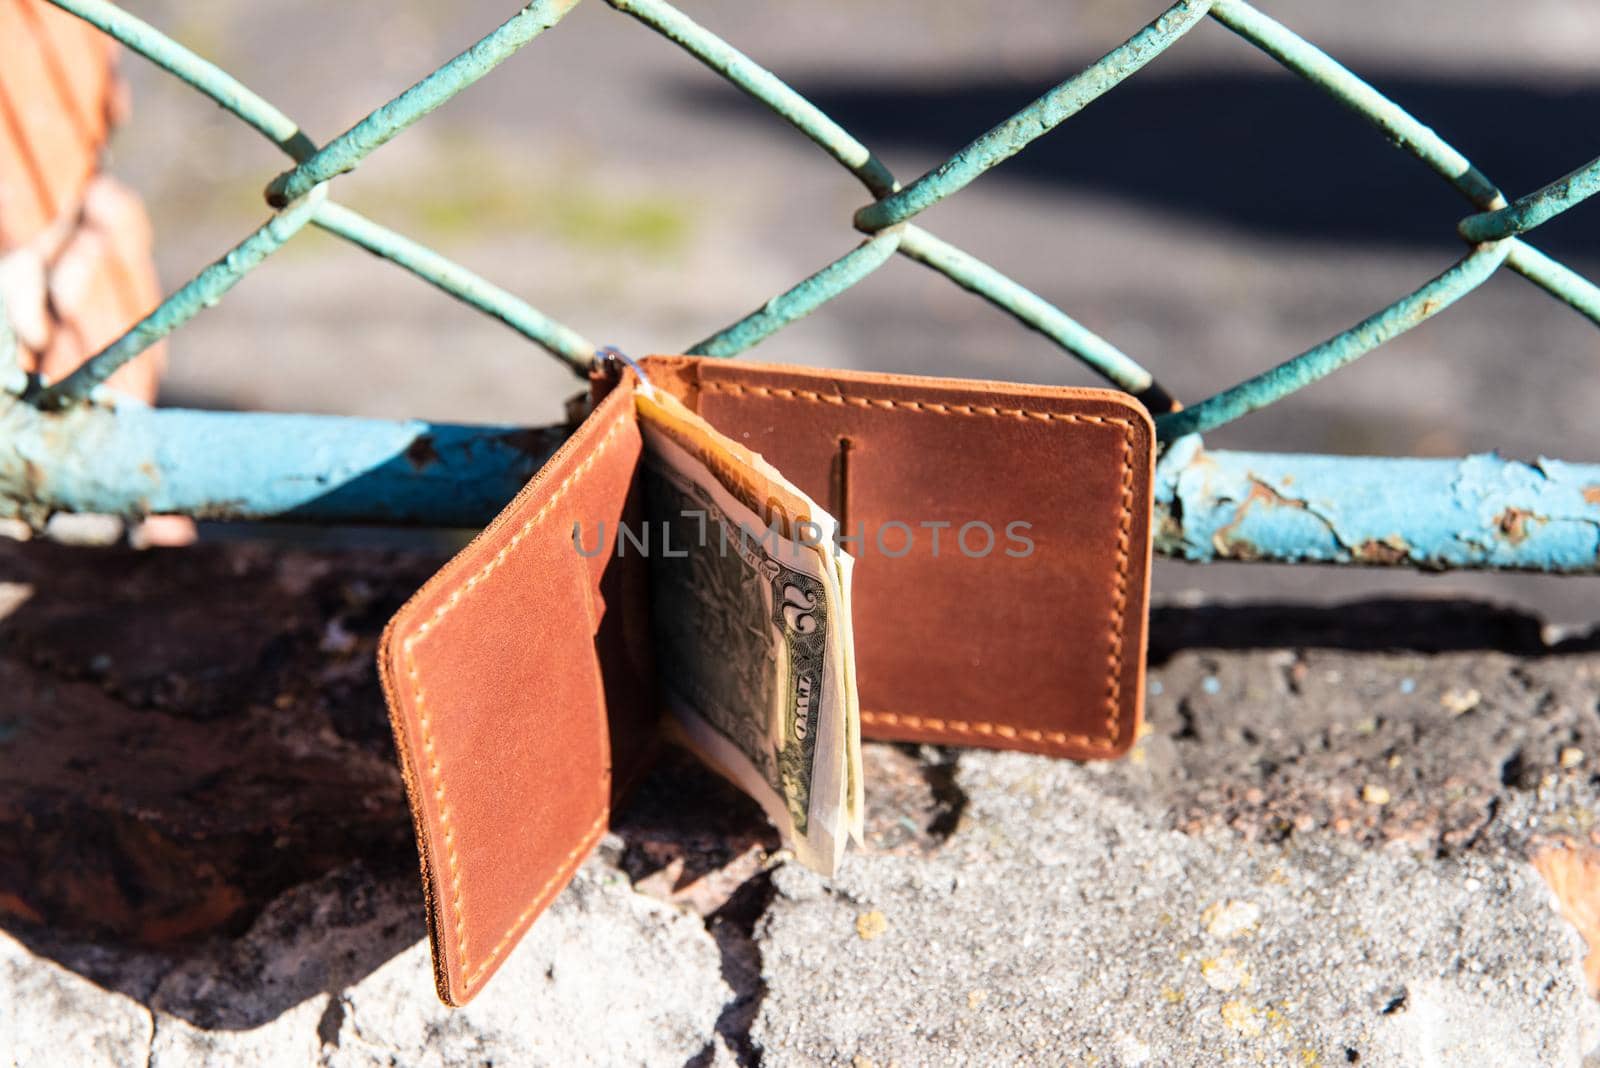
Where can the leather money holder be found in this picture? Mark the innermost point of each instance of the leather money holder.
(520, 678)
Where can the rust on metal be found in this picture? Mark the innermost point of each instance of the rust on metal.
(1513, 524)
(1390, 551)
(421, 453)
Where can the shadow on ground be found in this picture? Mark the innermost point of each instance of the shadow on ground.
(1263, 152)
(192, 734)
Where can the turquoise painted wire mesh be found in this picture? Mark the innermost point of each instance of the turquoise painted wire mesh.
(300, 196)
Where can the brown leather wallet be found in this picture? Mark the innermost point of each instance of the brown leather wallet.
(1002, 544)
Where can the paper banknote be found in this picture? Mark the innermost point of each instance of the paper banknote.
(751, 617)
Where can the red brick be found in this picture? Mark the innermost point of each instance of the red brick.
(23, 285)
(81, 62)
(102, 283)
(55, 84)
(26, 203)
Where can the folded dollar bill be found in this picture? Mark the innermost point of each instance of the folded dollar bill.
(750, 606)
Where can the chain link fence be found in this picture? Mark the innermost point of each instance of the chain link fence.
(70, 450)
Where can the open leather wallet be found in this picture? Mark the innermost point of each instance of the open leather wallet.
(520, 679)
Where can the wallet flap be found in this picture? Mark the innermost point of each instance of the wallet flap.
(517, 678)
(1002, 566)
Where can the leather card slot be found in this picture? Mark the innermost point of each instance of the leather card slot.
(507, 675)
(969, 629)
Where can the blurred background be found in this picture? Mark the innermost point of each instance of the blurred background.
(1211, 217)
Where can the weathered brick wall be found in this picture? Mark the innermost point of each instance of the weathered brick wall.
(75, 263)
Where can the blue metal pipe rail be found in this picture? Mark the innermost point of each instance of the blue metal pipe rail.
(66, 447)
(1475, 512)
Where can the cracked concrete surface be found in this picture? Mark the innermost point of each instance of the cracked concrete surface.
(1060, 926)
(1317, 854)
(609, 977)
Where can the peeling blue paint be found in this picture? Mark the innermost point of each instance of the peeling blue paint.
(1479, 511)
(1474, 512)
(224, 465)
